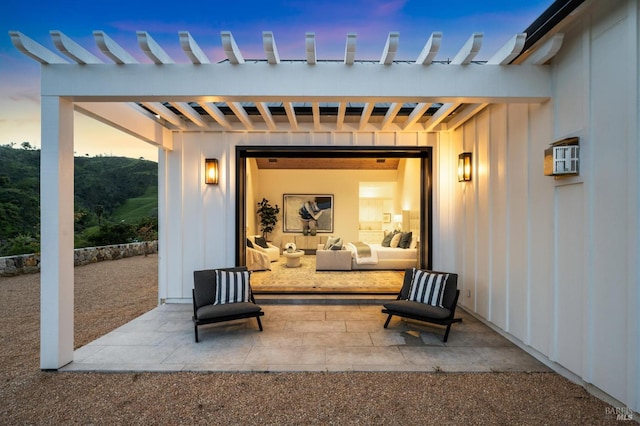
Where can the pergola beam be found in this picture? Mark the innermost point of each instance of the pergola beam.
(165, 113)
(366, 113)
(73, 50)
(315, 110)
(350, 49)
(342, 110)
(310, 48)
(231, 49)
(390, 49)
(34, 50)
(546, 51)
(192, 49)
(190, 113)
(430, 49)
(459, 119)
(153, 49)
(509, 51)
(112, 49)
(469, 50)
(270, 48)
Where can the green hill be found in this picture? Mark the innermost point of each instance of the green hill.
(107, 190)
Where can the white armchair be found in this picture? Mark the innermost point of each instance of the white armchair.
(271, 251)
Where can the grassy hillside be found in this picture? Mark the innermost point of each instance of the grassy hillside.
(135, 209)
(113, 198)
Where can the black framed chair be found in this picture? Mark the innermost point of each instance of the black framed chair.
(444, 315)
(205, 311)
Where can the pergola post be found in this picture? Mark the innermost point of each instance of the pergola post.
(56, 204)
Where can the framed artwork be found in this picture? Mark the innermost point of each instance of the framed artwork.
(307, 213)
(386, 217)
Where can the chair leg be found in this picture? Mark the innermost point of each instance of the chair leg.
(195, 327)
(387, 322)
(446, 333)
(259, 323)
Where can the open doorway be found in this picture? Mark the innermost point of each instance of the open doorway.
(341, 164)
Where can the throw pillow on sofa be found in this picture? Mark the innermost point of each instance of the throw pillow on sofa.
(262, 242)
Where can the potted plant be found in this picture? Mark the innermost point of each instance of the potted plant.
(268, 216)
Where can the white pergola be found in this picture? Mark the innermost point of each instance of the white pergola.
(155, 101)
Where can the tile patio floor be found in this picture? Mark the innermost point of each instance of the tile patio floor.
(300, 337)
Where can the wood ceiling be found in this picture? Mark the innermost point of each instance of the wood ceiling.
(329, 163)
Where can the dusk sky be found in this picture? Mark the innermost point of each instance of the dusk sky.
(372, 20)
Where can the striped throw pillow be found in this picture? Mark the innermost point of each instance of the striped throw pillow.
(427, 287)
(232, 287)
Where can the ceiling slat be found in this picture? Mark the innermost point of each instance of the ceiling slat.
(416, 114)
(391, 114)
(315, 110)
(342, 109)
(440, 115)
(459, 119)
(190, 113)
(165, 113)
(266, 115)
(241, 113)
(291, 115)
(216, 114)
(366, 113)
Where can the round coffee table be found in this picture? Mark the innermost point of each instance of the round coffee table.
(293, 258)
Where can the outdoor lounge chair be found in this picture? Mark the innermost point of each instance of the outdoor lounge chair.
(212, 306)
(432, 308)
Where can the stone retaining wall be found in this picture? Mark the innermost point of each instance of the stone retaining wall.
(30, 263)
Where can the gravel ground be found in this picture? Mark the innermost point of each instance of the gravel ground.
(109, 294)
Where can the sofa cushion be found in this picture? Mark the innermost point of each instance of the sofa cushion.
(427, 287)
(386, 241)
(331, 242)
(417, 309)
(232, 287)
(395, 240)
(261, 241)
(405, 240)
(218, 311)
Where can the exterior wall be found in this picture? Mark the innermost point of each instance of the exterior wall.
(205, 238)
(554, 263)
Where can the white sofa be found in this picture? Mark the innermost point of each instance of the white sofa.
(272, 251)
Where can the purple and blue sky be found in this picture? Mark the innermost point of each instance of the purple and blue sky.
(331, 20)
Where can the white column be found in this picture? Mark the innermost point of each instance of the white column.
(56, 222)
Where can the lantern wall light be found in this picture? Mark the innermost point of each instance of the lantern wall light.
(211, 171)
(465, 167)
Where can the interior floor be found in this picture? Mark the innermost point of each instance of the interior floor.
(305, 279)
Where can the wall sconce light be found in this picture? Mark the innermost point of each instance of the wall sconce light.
(211, 171)
(464, 167)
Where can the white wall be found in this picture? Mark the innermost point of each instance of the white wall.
(554, 263)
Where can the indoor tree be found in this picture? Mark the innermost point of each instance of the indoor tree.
(268, 216)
